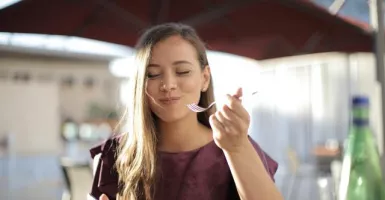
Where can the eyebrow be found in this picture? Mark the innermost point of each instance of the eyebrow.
(181, 62)
(153, 65)
(174, 63)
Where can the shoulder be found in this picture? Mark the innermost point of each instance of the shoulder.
(106, 148)
(105, 179)
(270, 164)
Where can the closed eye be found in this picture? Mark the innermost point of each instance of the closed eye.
(183, 72)
(152, 75)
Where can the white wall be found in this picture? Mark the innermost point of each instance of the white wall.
(74, 101)
(230, 72)
(30, 113)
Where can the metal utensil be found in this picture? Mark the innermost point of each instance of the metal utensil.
(195, 108)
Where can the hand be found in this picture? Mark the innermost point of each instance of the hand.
(230, 124)
(103, 197)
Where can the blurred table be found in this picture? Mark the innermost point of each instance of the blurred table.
(324, 156)
(322, 151)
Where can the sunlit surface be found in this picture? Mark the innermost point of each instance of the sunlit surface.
(63, 44)
(6, 3)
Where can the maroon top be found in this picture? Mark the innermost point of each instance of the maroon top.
(202, 173)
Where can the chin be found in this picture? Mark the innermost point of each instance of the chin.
(171, 117)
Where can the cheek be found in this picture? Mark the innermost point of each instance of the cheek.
(151, 88)
(151, 92)
(191, 85)
(191, 89)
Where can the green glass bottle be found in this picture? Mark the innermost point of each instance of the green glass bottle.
(361, 176)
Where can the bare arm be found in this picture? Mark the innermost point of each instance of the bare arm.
(250, 176)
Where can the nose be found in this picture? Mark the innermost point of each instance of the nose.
(168, 83)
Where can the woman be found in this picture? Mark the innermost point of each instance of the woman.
(171, 152)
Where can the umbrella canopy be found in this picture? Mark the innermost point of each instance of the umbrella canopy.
(257, 29)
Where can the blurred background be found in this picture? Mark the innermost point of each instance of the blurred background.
(65, 68)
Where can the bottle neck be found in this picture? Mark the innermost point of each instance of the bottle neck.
(360, 116)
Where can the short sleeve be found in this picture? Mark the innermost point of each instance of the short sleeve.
(270, 164)
(106, 178)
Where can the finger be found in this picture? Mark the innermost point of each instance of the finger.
(231, 117)
(215, 123)
(236, 106)
(226, 124)
(238, 94)
(219, 116)
(217, 128)
(103, 197)
(228, 113)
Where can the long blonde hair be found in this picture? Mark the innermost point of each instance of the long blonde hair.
(137, 152)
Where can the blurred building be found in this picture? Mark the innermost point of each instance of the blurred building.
(41, 88)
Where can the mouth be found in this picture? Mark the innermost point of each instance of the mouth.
(170, 100)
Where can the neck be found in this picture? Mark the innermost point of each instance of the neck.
(183, 135)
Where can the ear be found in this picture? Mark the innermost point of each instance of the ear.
(206, 78)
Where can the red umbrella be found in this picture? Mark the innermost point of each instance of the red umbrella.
(254, 28)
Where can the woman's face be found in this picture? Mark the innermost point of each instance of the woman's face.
(175, 79)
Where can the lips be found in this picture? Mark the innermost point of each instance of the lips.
(170, 100)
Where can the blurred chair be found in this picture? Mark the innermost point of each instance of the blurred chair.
(298, 171)
(78, 178)
(4, 166)
(319, 184)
